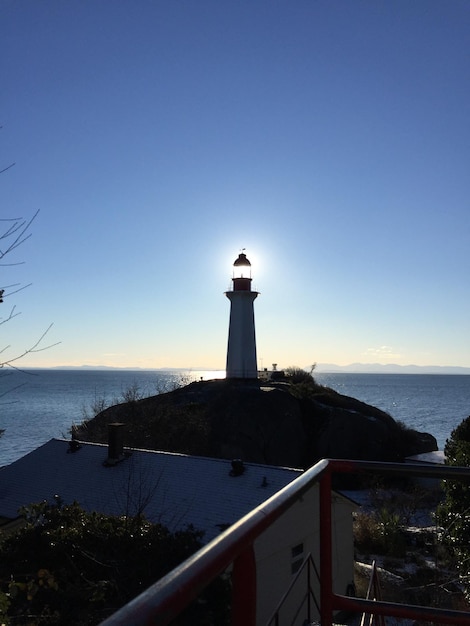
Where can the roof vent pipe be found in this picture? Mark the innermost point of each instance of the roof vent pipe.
(237, 467)
(115, 442)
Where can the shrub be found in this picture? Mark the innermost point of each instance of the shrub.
(73, 568)
(296, 375)
(453, 515)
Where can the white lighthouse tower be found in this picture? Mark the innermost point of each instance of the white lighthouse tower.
(241, 350)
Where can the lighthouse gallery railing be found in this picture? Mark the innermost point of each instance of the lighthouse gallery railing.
(164, 600)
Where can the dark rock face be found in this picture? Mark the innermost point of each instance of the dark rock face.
(262, 424)
(274, 423)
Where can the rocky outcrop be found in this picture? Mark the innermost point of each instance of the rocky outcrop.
(275, 423)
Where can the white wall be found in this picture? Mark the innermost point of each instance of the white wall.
(273, 550)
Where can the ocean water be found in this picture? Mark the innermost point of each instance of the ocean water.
(38, 405)
(432, 403)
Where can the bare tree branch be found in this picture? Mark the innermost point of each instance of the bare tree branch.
(9, 390)
(33, 350)
(19, 229)
(16, 232)
(10, 293)
(7, 168)
(10, 316)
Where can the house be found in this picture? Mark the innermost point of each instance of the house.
(177, 490)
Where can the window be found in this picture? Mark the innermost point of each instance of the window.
(297, 557)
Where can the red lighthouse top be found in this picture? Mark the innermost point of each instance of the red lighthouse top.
(242, 273)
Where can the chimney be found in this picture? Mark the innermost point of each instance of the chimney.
(237, 467)
(115, 443)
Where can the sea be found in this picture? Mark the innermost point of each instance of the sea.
(37, 405)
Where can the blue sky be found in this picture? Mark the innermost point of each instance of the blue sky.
(158, 138)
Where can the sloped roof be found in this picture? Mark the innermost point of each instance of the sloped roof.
(436, 457)
(173, 489)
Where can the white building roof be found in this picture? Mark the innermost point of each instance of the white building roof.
(437, 457)
(173, 489)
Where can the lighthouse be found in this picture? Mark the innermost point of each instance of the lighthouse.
(241, 350)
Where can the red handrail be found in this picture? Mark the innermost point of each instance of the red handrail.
(165, 600)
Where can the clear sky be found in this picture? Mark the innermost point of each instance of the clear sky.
(330, 138)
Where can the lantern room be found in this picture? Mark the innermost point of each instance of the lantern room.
(241, 273)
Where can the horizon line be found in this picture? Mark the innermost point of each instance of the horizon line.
(319, 367)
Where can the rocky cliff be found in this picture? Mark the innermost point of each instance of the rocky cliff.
(277, 423)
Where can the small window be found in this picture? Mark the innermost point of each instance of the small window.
(297, 550)
(297, 557)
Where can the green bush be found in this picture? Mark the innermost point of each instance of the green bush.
(379, 533)
(453, 515)
(296, 375)
(73, 568)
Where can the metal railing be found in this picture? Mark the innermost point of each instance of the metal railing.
(310, 568)
(167, 598)
(374, 592)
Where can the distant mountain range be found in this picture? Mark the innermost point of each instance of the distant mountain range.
(390, 368)
(321, 368)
